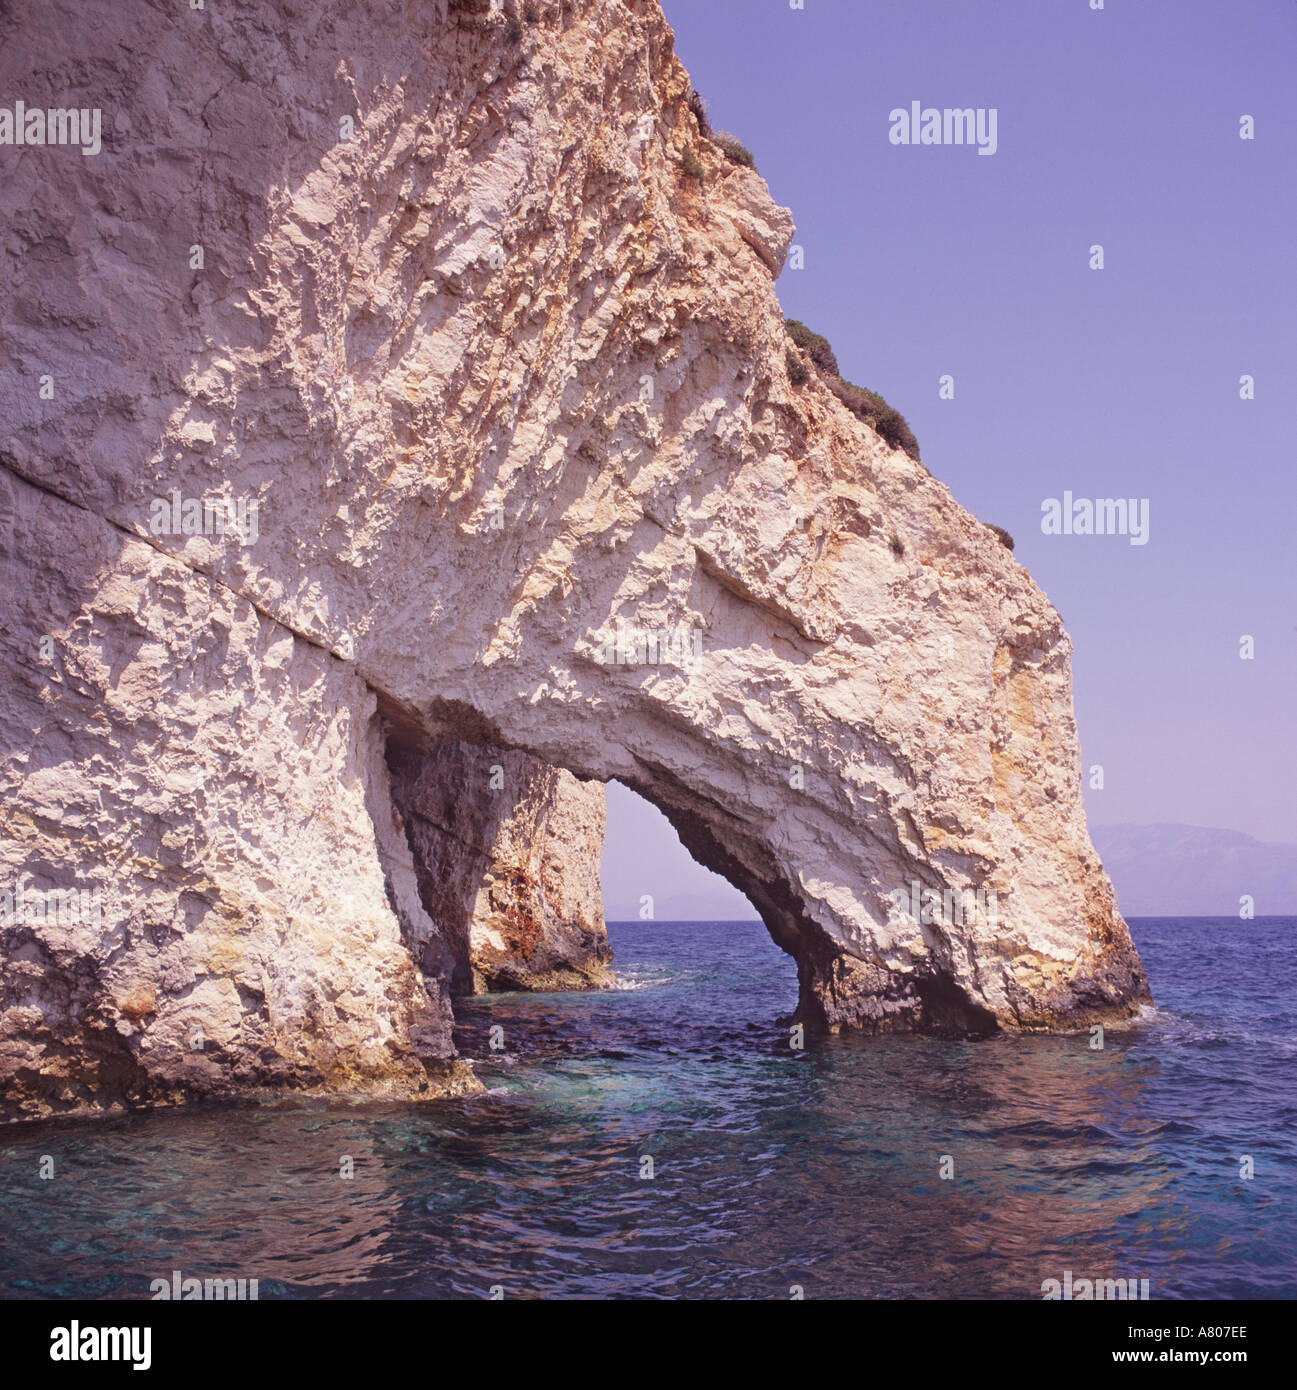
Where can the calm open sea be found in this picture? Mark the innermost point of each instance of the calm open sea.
(770, 1168)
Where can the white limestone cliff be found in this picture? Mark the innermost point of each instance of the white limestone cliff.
(425, 297)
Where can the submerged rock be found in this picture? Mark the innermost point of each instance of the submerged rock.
(380, 387)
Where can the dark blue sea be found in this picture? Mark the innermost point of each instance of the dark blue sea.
(770, 1169)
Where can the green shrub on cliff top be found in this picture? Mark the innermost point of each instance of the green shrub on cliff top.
(732, 150)
(865, 404)
(699, 108)
(813, 345)
(1002, 533)
(870, 407)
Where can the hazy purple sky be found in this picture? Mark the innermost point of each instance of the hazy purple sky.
(1118, 127)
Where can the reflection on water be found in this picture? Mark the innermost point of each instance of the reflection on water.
(771, 1168)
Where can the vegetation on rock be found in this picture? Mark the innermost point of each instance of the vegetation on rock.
(865, 404)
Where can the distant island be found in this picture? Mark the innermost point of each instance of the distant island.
(1195, 871)
(1158, 870)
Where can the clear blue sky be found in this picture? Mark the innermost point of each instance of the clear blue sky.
(1118, 127)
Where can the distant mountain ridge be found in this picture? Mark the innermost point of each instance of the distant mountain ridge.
(1168, 870)
(1161, 870)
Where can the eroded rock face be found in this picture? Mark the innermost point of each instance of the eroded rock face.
(204, 890)
(506, 852)
(502, 395)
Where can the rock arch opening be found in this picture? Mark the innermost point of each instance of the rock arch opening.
(507, 850)
(648, 875)
(835, 988)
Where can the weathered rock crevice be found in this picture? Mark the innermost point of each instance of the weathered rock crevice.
(507, 852)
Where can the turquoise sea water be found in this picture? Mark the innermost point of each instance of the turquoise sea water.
(770, 1168)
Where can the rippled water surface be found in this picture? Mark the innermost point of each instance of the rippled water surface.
(770, 1167)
